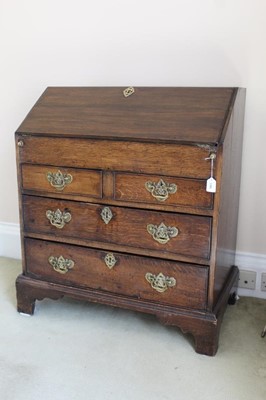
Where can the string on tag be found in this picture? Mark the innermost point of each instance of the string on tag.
(211, 182)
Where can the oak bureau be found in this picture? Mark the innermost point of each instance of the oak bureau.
(129, 197)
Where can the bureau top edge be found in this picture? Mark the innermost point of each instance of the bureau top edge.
(149, 114)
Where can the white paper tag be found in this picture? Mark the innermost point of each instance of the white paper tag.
(211, 185)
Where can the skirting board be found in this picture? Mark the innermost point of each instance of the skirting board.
(10, 240)
(10, 247)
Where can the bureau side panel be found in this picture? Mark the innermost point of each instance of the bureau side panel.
(226, 214)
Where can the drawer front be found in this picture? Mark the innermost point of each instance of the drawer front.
(52, 179)
(167, 232)
(142, 277)
(152, 158)
(157, 189)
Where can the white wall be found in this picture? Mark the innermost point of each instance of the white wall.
(147, 42)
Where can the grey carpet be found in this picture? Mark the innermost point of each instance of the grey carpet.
(80, 351)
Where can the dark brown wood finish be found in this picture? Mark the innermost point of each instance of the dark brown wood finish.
(189, 192)
(126, 277)
(164, 159)
(127, 226)
(84, 182)
(111, 146)
(193, 115)
(226, 218)
(204, 327)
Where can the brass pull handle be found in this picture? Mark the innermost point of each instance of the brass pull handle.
(61, 264)
(106, 215)
(160, 282)
(58, 180)
(161, 189)
(110, 260)
(162, 233)
(58, 218)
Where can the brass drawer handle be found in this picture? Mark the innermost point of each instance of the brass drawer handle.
(161, 189)
(58, 180)
(58, 218)
(160, 282)
(106, 215)
(110, 260)
(61, 264)
(162, 233)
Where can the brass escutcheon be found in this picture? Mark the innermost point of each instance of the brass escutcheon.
(106, 215)
(162, 233)
(58, 218)
(160, 282)
(128, 91)
(110, 260)
(61, 264)
(161, 189)
(58, 180)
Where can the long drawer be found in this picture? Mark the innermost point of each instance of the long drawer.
(183, 234)
(152, 158)
(152, 279)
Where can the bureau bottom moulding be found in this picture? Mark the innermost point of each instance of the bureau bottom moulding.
(203, 326)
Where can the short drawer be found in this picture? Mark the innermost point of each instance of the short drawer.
(51, 179)
(147, 278)
(158, 189)
(188, 235)
(151, 158)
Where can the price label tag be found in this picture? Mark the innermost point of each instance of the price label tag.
(211, 182)
(211, 185)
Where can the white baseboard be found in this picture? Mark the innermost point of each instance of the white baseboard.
(10, 247)
(10, 240)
